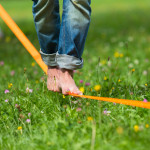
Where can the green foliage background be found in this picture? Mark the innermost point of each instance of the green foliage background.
(121, 26)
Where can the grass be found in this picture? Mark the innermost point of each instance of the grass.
(118, 42)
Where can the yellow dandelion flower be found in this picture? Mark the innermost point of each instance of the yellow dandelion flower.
(136, 128)
(97, 87)
(10, 85)
(121, 55)
(7, 39)
(147, 126)
(87, 103)
(119, 80)
(105, 78)
(33, 64)
(89, 118)
(63, 96)
(119, 130)
(133, 70)
(116, 54)
(145, 84)
(82, 89)
(36, 81)
(113, 88)
(19, 128)
(103, 62)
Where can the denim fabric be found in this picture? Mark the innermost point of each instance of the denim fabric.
(62, 42)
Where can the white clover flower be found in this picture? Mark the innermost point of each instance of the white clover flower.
(109, 63)
(130, 65)
(121, 44)
(130, 38)
(136, 61)
(144, 72)
(127, 59)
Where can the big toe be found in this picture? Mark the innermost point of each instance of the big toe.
(76, 91)
(65, 91)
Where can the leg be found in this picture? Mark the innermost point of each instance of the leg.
(73, 33)
(47, 24)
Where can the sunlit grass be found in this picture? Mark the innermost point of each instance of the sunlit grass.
(116, 64)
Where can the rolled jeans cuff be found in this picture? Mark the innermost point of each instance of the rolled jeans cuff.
(49, 59)
(62, 60)
(69, 62)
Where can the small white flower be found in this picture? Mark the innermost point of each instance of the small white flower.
(130, 38)
(75, 102)
(144, 72)
(127, 59)
(103, 69)
(136, 61)
(130, 65)
(109, 63)
(121, 44)
(29, 90)
(108, 112)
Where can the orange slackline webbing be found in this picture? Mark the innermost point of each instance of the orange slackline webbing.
(35, 54)
(22, 38)
(116, 100)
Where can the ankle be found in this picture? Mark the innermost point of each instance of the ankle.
(67, 71)
(52, 67)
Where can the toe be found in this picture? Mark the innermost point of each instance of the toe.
(57, 89)
(65, 91)
(76, 91)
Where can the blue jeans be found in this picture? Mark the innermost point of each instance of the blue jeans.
(62, 42)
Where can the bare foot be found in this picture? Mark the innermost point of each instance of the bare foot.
(67, 83)
(52, 79)
(61, 80)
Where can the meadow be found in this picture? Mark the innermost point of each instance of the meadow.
(116, 64)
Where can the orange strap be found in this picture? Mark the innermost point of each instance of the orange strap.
(22, 38)
(116, 100)
(35, 54)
